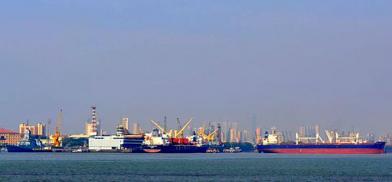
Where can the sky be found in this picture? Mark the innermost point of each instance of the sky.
(285, 63)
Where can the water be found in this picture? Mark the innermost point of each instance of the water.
(193, 167)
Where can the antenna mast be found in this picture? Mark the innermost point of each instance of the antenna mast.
(178, 124)
(59, 120)
(165, 123)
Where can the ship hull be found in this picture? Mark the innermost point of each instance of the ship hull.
(13, 148)
(176, 149)
(376, 148)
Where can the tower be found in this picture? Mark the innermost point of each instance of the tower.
(136, 128)
(219, 135)
(94, 122)
(48, 129)
(258, 135)
(93, 126)
(125, 123)
(253, 126)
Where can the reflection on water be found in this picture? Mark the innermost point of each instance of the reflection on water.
(193, 167)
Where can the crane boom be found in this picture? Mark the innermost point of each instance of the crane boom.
(158, 126)
(202, 133)
(213, 133)
(183, 128)
(211, 136)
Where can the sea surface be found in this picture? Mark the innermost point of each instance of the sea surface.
(193, 167)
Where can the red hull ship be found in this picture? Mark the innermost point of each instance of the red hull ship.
(304, 144)
(373, 148)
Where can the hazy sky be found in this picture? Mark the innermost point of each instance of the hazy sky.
(289, 63)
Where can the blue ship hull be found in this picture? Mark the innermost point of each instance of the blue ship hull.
(372, 148)
(134, 145)
(13, 148)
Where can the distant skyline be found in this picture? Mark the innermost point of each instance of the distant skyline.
(285, 63)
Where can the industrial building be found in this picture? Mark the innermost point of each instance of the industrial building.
(111, 142)
(38, 129)
(9, 137)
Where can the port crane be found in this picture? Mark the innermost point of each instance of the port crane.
(48, 130)
(158, 126)
(57, 135)
(181, 131)
(210, 137)
(177, 133)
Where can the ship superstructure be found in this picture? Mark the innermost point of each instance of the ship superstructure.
(121, 141)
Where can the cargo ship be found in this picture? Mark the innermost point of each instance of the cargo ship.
(336, 144)
(158, 142)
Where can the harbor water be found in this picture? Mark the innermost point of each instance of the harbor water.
(193, 167)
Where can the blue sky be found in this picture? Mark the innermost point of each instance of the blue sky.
(290, 63)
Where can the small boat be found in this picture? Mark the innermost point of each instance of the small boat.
(232, 150)
(80, 150)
